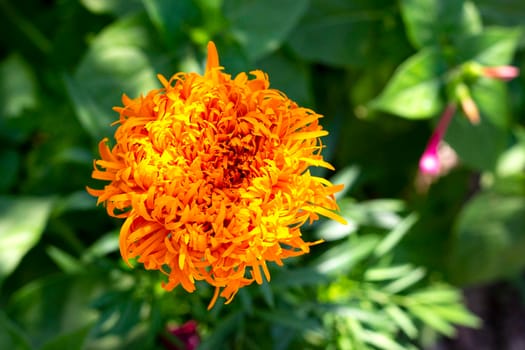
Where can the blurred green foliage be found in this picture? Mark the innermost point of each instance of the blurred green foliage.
(380, 71)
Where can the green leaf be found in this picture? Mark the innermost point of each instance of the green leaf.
(55, 305)
(413, 92)
(91, 116)
(298, 277)
(503, 12)
(287, 75)
(436, 295)
(402, 320)
(431, 22)
(380, 340)
(387, 273)
(123, 58)
(341, 30)
(260, 26)
(10, 163)
(106, 244)
(456, 314)
(66, 262)
(171, 18)
(343, 257)
(480, 146)
(116, 7)
(224, 331)
(406, 281)
(489, 240)
(22, 221)
(394, 236)
(71, 340)
(11, 336)
(17, 86)
(432, 320)
(494, 46)
(380, 213)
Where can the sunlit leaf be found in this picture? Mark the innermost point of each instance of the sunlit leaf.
(414, 90)
(380, 340)
(17, 86)
(406, 281)
(401, 318)
(344, 256)
(22, 221)
(432, 320)
(494, 46)
(387, 273)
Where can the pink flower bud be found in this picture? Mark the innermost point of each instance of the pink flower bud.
(501, 72)
(429, 163)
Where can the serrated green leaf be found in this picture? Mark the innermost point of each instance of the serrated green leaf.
(394, 236)
(401, 318)
(387, 273)
(22, 221)
(261, 26)
(380, 340)
(369, 317)
(413, 92)
(456, 314)
(436, 295)
(432, 320)
(405, 282)
(344, 256)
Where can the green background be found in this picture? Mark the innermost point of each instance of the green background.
(380, 71)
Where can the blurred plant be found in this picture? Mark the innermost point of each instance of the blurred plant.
(380, 282)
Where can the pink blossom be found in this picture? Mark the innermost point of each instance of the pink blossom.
(429, 162)
(501, 72)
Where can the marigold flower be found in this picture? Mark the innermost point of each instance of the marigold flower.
(211, 175)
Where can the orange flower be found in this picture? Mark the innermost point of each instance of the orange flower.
(211, 175)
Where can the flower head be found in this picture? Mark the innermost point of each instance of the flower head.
(211, 175)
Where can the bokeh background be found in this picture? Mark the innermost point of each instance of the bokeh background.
(424, 263)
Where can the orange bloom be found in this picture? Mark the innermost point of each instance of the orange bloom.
(211, 175)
